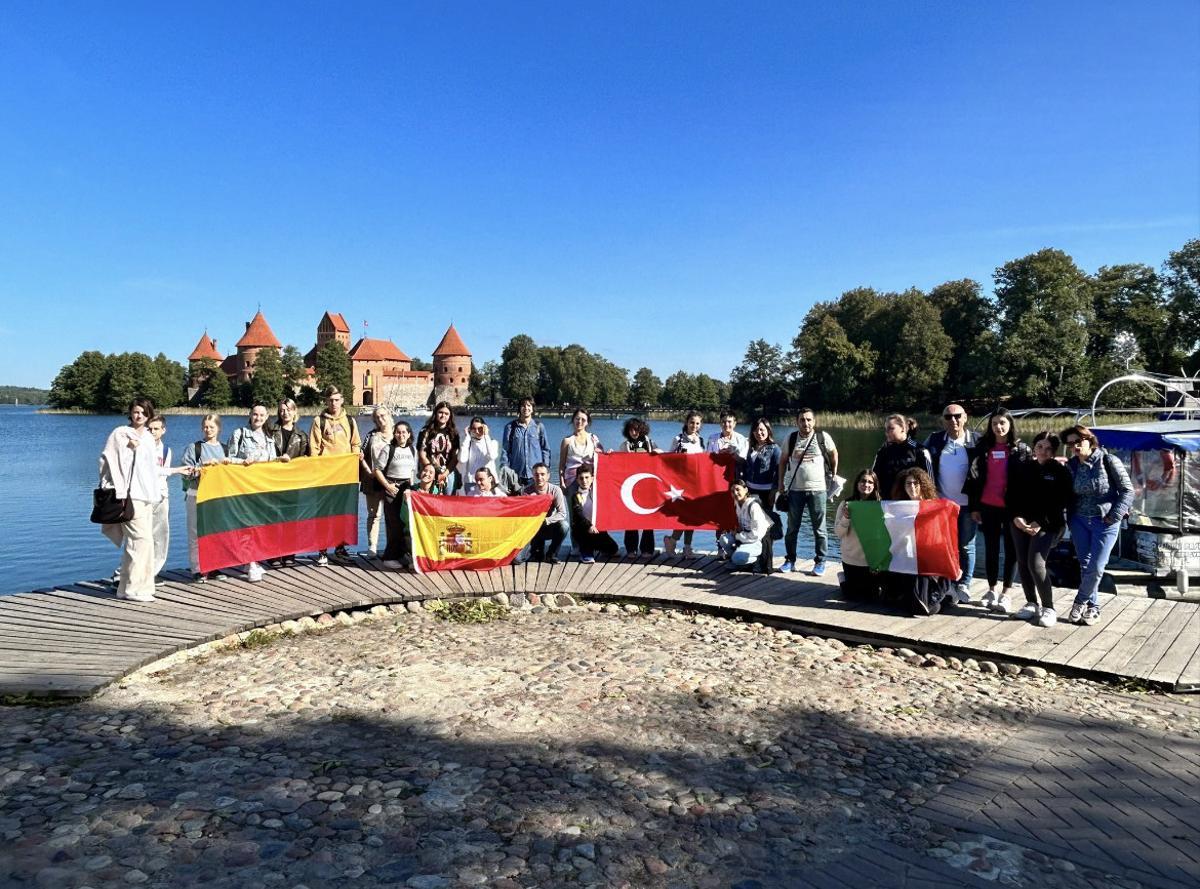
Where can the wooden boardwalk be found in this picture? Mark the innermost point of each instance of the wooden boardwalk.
(72, 641)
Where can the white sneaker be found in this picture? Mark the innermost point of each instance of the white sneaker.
(669, 545)
(1029, 611)
(255, 572)
(1003, 604)
(1091, 615)
(1048, 618)
(1076, 613)
(988, 600)
(963, 593)
(687, 553)
(322, 560)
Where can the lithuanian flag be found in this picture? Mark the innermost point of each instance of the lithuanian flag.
(266, 510)
(908, 536)
(476, 533)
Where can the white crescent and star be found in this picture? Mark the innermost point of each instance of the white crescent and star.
(627, 486)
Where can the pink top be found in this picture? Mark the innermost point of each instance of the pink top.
(997, 476)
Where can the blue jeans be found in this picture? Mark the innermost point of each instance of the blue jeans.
(812, 502)
(1094, 540)
(739, 553)
(966, 544)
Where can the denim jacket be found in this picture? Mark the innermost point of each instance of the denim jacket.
(1101, 486)
(761, 469)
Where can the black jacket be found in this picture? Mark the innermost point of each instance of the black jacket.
(1040, 492)
(978, 473)
(895, 457)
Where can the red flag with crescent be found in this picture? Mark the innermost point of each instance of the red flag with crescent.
(664, 492)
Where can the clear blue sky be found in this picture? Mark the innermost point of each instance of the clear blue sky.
(662, 182)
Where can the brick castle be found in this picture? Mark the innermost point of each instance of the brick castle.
(380, 371)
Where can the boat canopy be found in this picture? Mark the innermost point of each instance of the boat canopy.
(1183, 435)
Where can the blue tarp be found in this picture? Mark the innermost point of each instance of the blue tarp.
(1181, 434)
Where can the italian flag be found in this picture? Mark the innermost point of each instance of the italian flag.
(266, 510)
(908, 536)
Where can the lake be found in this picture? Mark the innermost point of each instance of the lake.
(49, 465)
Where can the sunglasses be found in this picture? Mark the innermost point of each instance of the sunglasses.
(953, 416)
(1073, 443)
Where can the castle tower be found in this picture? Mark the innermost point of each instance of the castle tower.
(258, 335)
(206, 348)
(451, 368)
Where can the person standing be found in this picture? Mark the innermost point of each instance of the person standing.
(290, 442)
(525, 443)
(577, 449)
(728, 440)
(1103, 496)
(688, 441)
(761, 474)
(374, 447)
(251, 444)
(636, 433)
(899, 452)
(804, 480)
(161, 509)
(549, 537)
(987, 484)
(437, 444)
(127, 465)
(333, 432)
(395, 469)
(207, 451)
(951, 450)
(479, 451)
(1039, 495)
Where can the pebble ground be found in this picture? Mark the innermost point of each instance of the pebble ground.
(558, 746)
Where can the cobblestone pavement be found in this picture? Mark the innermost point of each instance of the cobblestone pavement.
(595, 747)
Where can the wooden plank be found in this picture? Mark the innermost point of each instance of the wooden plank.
(1189, 676)
(71, 608)
(1148, 656)
(1103, 640)
(1179, 655)
(1128, 645)
(506, 578)
(115, 629)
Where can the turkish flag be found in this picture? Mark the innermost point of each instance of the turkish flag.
(667, 492)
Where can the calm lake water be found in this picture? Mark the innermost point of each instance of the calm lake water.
(48, 468)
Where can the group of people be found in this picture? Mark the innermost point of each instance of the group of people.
(1023, 498)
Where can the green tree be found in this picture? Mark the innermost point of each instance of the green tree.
(332, 365)
(267, 385)
(646, 389)
(80, 383)
(762, 381)
(420, 364)
(711, 393)
(834, 372)
(1045, 307)
(485, 383)
(914, 353)
(215, 391)
(520, 368)
(680, 391)
(1181, 275)
(612, 383)
(966, 313)
(129, 375)
(292, 365)
(172, 379)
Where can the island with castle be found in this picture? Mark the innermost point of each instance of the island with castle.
(380, 371)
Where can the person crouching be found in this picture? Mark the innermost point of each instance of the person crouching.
(745, 545)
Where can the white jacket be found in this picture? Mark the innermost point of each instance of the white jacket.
(753, 524)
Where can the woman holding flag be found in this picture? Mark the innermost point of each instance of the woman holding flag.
(395, 468)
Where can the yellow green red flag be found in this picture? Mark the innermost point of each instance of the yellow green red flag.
(475, 533)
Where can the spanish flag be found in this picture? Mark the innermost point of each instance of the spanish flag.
(266, 510)
(475, 533)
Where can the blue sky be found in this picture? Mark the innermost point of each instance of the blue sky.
(660, 182)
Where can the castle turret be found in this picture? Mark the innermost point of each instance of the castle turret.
(451, 368)
(258, 335)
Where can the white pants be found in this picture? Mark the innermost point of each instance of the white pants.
(137, 560)
(193, 545)
(162, 533)
(374, 519)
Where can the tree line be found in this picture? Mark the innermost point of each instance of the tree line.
(1049, 334)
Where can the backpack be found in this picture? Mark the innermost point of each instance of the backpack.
(819, 435)
(199, 445)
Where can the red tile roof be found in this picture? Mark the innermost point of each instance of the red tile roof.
(376, 350)
(451, 344)
(258, 333)
(206, 348)
(338, 322)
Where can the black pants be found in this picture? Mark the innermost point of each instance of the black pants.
(918, 594)
(399, 541)
(1032, 552)
(551, 534)
(590, 544)
(639, 542)
(996, 529)
(861, 584)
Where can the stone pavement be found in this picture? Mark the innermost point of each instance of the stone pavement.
(1066, 795)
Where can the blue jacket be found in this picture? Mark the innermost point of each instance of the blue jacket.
(1101, 482)
(760, 471)
(525, 446)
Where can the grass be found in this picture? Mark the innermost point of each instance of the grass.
(467, 611)
(261, 639)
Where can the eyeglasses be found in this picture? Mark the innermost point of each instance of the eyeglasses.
(1073, 443)
(953, 416)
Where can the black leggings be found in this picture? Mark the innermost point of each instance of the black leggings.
(1032, 551)
(996, 528)
(647, 542)
(399, 542)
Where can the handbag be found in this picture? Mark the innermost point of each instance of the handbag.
(108, 508)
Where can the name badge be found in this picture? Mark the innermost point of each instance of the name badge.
(998, 455)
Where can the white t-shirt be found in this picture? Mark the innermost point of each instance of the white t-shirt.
(952, 471)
